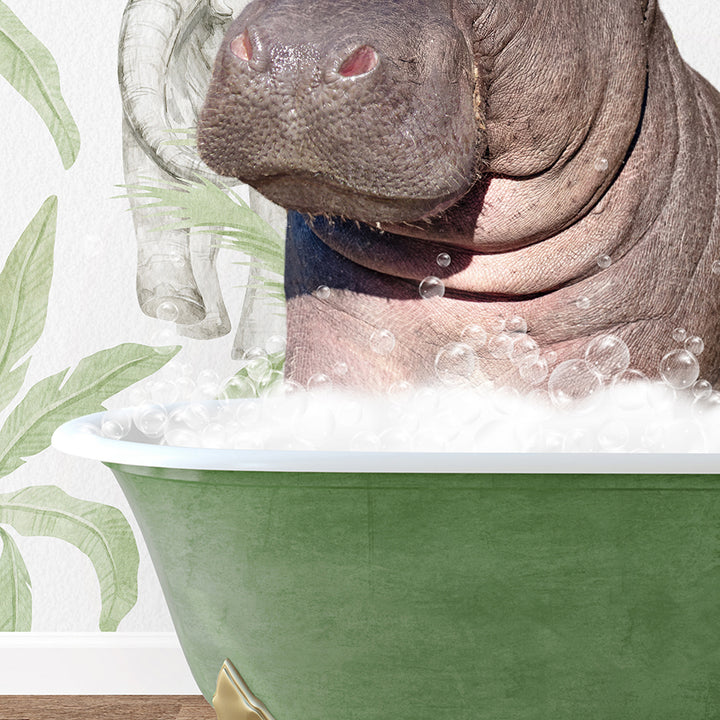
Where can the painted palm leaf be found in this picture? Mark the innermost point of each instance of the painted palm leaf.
(15, 593)
(63, 396)
(99, 531)
(24, 289)
(30, 68)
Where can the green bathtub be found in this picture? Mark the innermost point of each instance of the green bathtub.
(359, 586)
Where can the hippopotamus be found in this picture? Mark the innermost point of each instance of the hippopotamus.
(524, 169)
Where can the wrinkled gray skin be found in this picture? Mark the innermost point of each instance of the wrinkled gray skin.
(478, 131)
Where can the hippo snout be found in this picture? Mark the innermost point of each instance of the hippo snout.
(361, 111)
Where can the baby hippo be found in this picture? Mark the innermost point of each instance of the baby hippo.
(478, 188)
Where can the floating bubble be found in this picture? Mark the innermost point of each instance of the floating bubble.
(695, 345)
(583, 303)
(601, 164)
(185, 387)
(534, 373)
(613, 436)
(164, 340)
(238, 386)
(707, 405)
(679, 369)
(382, 342)
(194, 416)
(214, 435)
(551, 357)
(516, 324)
(702, 389)
(167, 311)
(401, 387)
(259, 369)
(432, 287)
(164, 392)
(115, 424)
(443, 259)
(322, 292)
(679, 335)
(715, 267)
(275, 345)
(603, 261)
(573, 381)
(474, 336)
(340, 368)
(608, 355)
(254, 352)
(151, 419)
(524, 351)
(319, 381)
(500, 346)
(455, 363)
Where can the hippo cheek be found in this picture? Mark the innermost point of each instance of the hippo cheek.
(372, 126)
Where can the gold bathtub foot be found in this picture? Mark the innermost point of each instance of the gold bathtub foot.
(233, 699)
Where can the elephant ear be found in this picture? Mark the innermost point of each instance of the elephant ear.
(166, 55)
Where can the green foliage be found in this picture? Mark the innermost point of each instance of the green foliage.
(24, 287)
(100, 531)
(202, 205)
(16, 602)
(28, 66)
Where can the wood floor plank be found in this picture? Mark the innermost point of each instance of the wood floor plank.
(99, 707)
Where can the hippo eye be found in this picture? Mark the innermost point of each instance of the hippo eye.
(359, 62)
(241, 46)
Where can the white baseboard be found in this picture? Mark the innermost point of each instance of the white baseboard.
(34, 663)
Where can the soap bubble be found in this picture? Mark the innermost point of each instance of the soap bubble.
(382, 342)
(185, 387)
(632, 389)
(432, 287)
(164, 392)
(603, 261)
(254, 352)
(573, 381)
(601, 164)
(238, 386)
(608, 355)
(181, 437)
(679, 369)
(151, 419)
(259, 370)
(524, 351)
(167, 311)
(613, 436)
(455, 363)
(214, 435)
(496, 324)
(715, 267)
(164, 340)
(695, 345)
(275, 345)
(679, 335)
(474, 336)
(116, 424)
(516, 324)
(319, 381)
(702, 389)
(534, 372)
(583, 303)
(340, 368)
(500, 346)
(322, 292)
(443, 259)
(194, 416)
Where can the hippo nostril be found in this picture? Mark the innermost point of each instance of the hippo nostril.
(359, 62)
(241, 46)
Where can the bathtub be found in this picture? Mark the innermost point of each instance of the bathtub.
(358, 586)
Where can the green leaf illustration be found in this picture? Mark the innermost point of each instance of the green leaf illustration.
(15, 594)
(63, 396)
(202, 204)
(30, 68)
(24, 289)
(99, 531)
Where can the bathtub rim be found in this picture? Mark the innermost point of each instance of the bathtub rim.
(73, 438)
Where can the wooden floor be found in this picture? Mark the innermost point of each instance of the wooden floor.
(100, 707)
